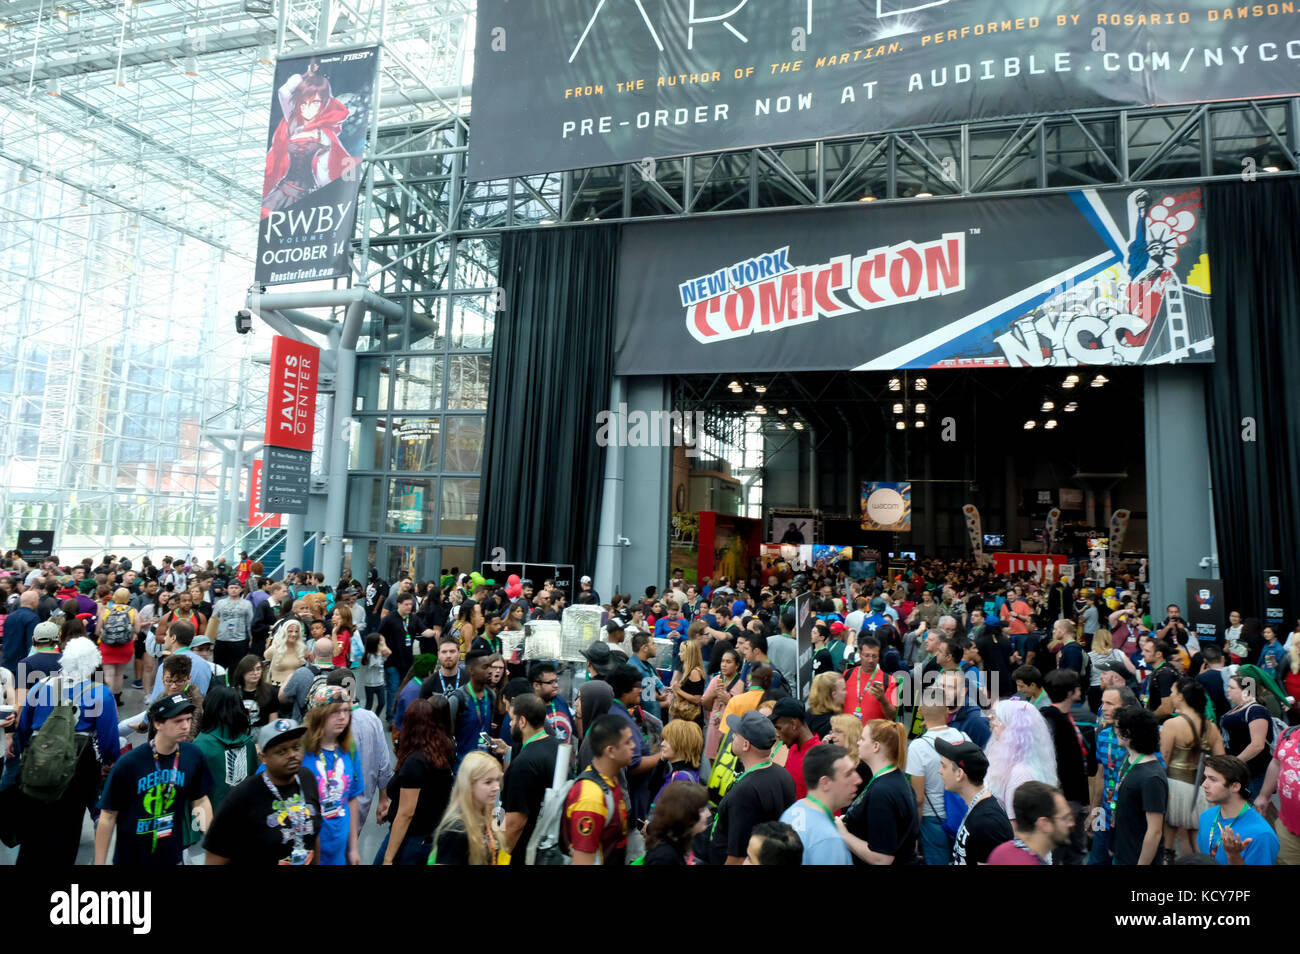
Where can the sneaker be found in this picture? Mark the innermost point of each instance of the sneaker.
(138, 684)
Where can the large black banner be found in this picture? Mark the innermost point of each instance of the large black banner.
(1070, 279)
(563, 84)
(314, 148)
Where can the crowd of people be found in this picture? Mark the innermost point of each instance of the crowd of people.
(945, 715)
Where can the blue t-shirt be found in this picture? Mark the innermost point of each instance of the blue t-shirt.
(410, 692)
(651, 684)
(1272, 657)
(338, 778)
(822, 844)
(1264, 845)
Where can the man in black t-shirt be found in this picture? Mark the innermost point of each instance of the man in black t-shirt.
(962, 767)
(529, 774)
(1063, 692)
(152, 789)
(761, 793)
(1143, 793)
(274, 817)
(1159, 683)
(376, 594)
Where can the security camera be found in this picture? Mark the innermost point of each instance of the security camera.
(624, 542)
(243, 321)
(1205, 563)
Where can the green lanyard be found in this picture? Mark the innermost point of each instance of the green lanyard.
(865, 788)
(829, 814)
(540, 734)
(1123, 774)
(1218, 826)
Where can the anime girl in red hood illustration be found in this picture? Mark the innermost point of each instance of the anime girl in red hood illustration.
(305, 151)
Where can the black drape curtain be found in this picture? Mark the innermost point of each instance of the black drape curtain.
(1254, 252)
(552, 366)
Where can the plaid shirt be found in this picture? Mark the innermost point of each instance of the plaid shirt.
(1110, 756)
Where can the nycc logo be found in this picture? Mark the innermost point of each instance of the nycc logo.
(767, 293)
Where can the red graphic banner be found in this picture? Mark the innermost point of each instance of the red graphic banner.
(256, 518)
(291, 395)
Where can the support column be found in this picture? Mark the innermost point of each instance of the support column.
(609, 552)
(647, 483)
(336, 443)
(219, 534)
(293, 541)
(1180, 527)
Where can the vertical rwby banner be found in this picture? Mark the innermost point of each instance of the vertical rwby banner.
(315, 146)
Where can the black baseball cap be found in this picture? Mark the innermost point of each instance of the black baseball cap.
(789, 708)
(965, 755)
(754, 727)
(169, 707)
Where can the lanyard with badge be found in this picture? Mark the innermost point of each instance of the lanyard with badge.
(161, 797)
(292, 816)
(1216, 830)
(857, 709)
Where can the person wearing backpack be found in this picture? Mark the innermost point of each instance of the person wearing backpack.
(309, 677)
(1072, 759)
(117, 625)
(932, 804)
(594, 821)
(67, 740)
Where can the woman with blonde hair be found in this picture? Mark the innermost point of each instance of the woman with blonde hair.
(881, 826)
(116, 626)
(846, 731)
(825, 700)
(688, 682)
(287, 652)
(330, 753)
(466, 835)
(682, 746)
(1103, 651)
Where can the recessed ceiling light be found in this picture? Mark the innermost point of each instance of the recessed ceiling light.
(900, 425)
(1047, 406)
(798, 425)
(898, 408)
(782, 410)
(920, 384)
(1050, 424)
(919, 423)
(1071, 407)
(1100, 381)
(895, 384)
(1030, 425)
(760, 388)
(920, 408)
(759, 409)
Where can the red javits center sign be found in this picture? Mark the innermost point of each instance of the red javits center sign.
(291, 395)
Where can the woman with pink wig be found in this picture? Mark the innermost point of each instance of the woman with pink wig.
(1020, 751)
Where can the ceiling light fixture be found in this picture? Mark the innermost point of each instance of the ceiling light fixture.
(782, 411)
(53, 87)
(798, 425)
(760, 388)
(900, 425)
(925, 195)
(895, 384)
(1030, 425)
(1071, 407)
(920, 408)
(191, 65)
(1100, 381)
(867, 198)
(1047, 406)
(1049, 424)
(920, 384)
(919, 423)
(759, 409)
(898, 408)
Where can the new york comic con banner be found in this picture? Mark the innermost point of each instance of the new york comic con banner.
(1087, 277)
(565, 84)
(314, 148)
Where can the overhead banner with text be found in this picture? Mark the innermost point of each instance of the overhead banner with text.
(291, 394)
(592, 82)
(317, 139)
(1071, 279)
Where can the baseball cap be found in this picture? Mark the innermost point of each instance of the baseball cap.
(615, 625)
(46, 633)
(585, 579)
(753, 727)
(326, 695)
(962, 754)
(788, 708)
(200, 640)
(277, 731)
(1112, 665)
(837, 627)
(168, 707)
(352, 591)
